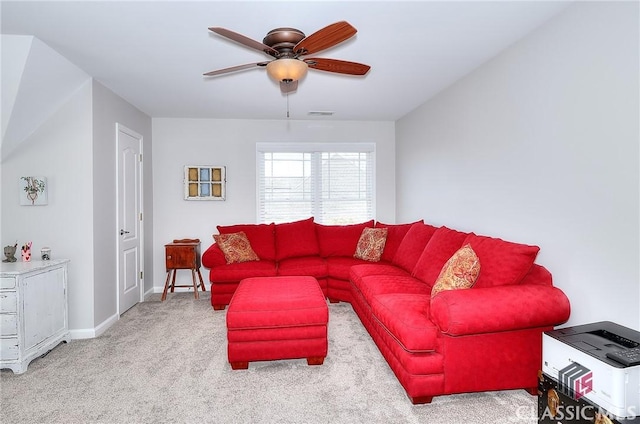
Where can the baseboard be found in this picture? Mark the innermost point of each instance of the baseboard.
(90, 333)
(87, 333)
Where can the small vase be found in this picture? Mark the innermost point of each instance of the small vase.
(26, 255)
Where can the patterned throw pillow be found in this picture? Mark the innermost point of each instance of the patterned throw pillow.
(460, 272)
(371, 244)
(236, 247)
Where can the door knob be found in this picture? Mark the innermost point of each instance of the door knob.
(123, 232)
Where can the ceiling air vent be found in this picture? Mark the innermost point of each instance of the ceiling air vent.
(320, 113)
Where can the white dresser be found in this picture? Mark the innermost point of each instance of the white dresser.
(33, 311)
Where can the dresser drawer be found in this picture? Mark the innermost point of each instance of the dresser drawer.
(8, 302)
(9, 348)
(8, 324)
(7, 282)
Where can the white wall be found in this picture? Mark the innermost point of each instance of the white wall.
(60, 150)
(541, 146)
(109, 109)
(73, 146)
(232, 143)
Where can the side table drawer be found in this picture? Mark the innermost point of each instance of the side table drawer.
(180, 257)
(7, 283)
(8, 302)
(9, 348)
(8, 324)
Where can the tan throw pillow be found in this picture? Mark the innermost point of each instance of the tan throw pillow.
(460, 272)
(236, 247)
(371, 244)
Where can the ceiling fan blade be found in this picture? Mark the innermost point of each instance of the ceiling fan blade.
(246, 41)
(327, 37)
(337, 66)
(288, 86)
(234, 69)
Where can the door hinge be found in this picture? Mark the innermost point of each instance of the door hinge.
(140, 216)
(141, 273)
(140, 157)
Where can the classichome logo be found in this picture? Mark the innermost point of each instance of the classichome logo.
(575, 380)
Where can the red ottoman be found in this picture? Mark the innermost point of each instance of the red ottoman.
(273, 318)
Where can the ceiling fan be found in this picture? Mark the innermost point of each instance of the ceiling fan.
(288, 46)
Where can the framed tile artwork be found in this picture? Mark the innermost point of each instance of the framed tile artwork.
(205, 182)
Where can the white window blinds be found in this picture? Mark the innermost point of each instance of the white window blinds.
(334, 183)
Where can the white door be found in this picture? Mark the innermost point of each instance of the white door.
(129, 229)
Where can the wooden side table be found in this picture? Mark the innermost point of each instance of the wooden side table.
(183, 254)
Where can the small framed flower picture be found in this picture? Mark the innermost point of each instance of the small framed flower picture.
(33, 191)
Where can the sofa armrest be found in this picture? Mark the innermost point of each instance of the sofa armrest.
(213, 256)
(497, 309)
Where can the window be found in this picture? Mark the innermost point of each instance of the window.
(334, 183)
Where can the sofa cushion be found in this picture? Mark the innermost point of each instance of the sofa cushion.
(261, 237)
(339, 267)
(503, 262)
(460, 272)
(313, 266)
(444, 243)
(213, 256)
(339, 240)
(371, 244)
(357, 272)
(295, 239)
(412, 246)
(395, 234)
(234, 273)
(236, 247)
(406, 318)
(374, 285)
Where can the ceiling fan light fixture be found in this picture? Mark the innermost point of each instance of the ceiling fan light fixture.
(287, 69)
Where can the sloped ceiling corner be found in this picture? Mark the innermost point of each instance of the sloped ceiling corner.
(36, 81)
(15, 49)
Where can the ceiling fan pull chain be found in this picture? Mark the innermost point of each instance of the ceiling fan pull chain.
(287, 105)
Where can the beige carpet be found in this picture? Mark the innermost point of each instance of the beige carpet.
(165, 362)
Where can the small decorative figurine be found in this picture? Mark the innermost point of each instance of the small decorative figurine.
(9, 252)
(26, 252)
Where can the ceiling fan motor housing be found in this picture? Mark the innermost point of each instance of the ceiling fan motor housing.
(283, 40)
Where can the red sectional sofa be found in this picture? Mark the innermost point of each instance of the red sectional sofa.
(488, 337)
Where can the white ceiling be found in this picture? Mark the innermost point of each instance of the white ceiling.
(153, 53)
